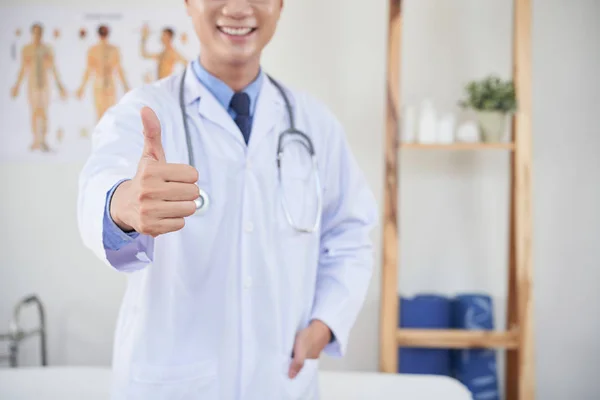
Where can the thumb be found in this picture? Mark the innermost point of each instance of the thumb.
(298, 358)
(152, 136)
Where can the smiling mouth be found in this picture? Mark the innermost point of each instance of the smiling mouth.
(238, 32)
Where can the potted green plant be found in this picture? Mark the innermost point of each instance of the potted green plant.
(493, 101)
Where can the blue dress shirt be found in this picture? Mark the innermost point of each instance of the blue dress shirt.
(224, 93)
(113, 237)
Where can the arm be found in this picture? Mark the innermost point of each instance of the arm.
(59, 84)
(346, 261)
(22, 70)
(116, 148)
(145, 54)
(86, 74)
(180, 59)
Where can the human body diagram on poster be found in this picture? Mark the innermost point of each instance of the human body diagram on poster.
(37, 68)
(66, 75)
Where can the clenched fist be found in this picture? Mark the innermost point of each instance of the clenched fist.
(161, 195)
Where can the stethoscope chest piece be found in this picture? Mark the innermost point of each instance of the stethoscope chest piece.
(202, 202)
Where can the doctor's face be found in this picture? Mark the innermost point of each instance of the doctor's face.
(234, 32)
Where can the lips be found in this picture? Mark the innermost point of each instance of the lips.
(236, 31)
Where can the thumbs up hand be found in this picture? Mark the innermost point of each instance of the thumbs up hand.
(161, 195)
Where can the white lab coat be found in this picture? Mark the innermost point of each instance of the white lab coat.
(211, 311)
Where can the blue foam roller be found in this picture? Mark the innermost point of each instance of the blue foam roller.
(475, 368)
(425, 312)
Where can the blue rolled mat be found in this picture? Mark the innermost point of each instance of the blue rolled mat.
(425, 312)
(475, 368)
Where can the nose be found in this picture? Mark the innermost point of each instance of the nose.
(237, 8)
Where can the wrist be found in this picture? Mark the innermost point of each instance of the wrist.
(321, 333)
(117, 207)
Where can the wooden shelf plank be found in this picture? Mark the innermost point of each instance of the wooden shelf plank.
(459, 146)
(456, 339)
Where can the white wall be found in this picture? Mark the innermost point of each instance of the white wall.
(453, 206)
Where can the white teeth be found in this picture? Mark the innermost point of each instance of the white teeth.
(235, 31)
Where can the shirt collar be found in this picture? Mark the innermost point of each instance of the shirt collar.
(224, 93)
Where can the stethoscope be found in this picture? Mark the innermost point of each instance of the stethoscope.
(203, 202)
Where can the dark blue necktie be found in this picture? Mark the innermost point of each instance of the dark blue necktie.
(240, 103)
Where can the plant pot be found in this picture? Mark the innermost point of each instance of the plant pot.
(492, 125)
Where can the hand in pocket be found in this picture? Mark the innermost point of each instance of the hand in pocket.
(308, 345)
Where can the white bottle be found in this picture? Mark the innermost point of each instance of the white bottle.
(468, 132)
(445, 129)
(427, 123)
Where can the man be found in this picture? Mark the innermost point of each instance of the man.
(168, 57)
(37, 62)
(103, 60)
(244, 262)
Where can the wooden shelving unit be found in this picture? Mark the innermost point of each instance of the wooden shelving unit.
(459, 146)
(518, 339)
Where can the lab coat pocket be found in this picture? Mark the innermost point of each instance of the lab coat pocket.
(304, 386)
(178, 382)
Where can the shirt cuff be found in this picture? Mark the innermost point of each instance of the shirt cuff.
(114, 238)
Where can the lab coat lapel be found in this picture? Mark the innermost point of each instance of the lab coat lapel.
(269, 111)
(210, 109)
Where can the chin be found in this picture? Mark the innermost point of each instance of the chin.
(239, 58)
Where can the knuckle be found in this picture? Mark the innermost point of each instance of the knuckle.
(143, 195)
(150, 171)
(145, 210)
(154, 232)
(191, 208)
(194, 174)
(188, 173)
(144, 228)
(146, 172)
(193, 192)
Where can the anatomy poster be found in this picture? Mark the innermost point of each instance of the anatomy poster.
(62, 68)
